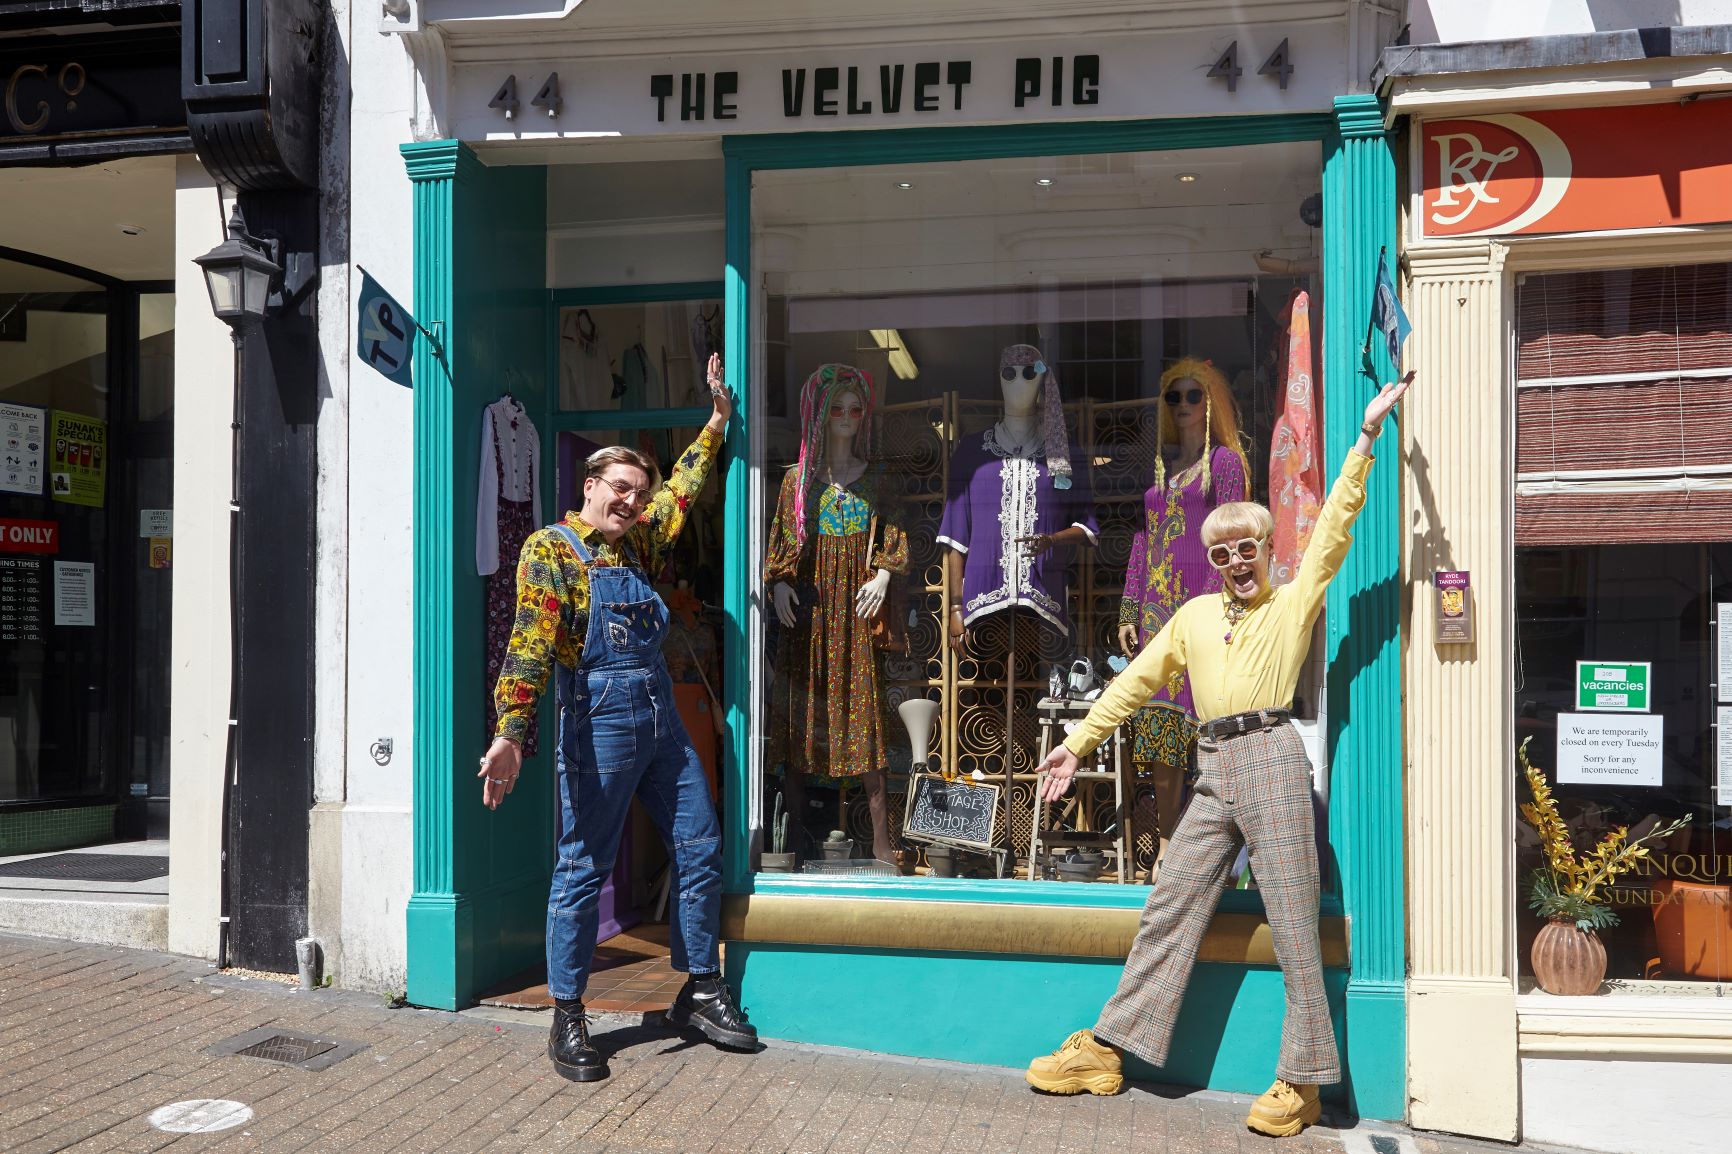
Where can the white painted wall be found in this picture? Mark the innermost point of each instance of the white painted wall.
(1629, 1105)
(199, 645)
(361, 845)
(1453, 21)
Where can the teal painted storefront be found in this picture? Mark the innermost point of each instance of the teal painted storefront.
(477, 910)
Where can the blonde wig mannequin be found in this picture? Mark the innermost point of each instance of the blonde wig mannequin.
(1220, 419)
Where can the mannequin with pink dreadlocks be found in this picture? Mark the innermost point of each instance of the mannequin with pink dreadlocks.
(834, 542)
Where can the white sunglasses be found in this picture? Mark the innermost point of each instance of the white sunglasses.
(1223, 555)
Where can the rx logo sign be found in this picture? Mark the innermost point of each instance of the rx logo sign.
(1491, 175)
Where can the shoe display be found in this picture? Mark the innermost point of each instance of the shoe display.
(1080, 1064)
(708, 1004)
(573, 1054)
(1285, 1109)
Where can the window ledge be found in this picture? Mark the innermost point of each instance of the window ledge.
(1635, 1018)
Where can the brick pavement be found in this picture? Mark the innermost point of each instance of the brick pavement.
(92, 1039)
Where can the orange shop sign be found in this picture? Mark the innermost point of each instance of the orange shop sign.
(1577, 170)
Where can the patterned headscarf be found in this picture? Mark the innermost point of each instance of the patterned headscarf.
(1052, 415)
(820, 391)
(1220, 416)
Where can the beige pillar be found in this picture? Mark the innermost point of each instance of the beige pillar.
(1457, 428)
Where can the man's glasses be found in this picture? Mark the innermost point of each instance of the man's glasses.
(1189, 397)
(1029, 372)
(1223, 556)
(625, 489)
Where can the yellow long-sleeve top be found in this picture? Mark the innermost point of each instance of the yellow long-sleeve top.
(1260, 668)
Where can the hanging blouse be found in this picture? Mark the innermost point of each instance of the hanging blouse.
(999, 493)
(510, 470)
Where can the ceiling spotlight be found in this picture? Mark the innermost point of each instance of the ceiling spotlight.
(131, 229)
(905, 185)
(1043, 181)
(1187, 178)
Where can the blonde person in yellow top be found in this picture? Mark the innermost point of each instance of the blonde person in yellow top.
(1242, 648)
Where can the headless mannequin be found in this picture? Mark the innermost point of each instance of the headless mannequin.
(842, 467)
(1169, 780)
(1019, 425)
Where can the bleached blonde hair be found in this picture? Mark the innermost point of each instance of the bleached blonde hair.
(1236, 520)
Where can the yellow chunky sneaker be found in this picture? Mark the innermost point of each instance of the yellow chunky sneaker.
(1080, 1064)
(1284, 1110)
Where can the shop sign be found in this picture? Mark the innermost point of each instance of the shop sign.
(114, 84)
(1603, 749)
(29, 536)
(960, 812)
(1278, 68)
(156, 522)
(1613, 686)
(1454, 606)
(1576, 170)
(22, 602)
(23, 430)
(79, 458)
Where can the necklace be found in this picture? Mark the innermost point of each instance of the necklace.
(1235, 611)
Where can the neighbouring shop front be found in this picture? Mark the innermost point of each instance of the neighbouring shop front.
(1571, 270)
(982, 257)
(87, 344)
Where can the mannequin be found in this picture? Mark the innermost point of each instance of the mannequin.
(1199, 465)
(834, 542)
(1016, 505)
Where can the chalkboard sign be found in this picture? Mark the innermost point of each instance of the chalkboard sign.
(960, 812)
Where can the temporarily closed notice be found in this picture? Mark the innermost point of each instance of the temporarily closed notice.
(1610, 749)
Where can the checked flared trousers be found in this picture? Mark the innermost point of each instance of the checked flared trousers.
(1252, 789)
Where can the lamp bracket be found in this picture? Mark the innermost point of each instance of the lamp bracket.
(300, 276)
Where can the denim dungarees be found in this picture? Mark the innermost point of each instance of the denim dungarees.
(620, 736)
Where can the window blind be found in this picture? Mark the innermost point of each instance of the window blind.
(1624, 406)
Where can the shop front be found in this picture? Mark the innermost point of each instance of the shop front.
(989, 304)
(1570, 256)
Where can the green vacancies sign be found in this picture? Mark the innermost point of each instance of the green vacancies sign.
(1613, 686)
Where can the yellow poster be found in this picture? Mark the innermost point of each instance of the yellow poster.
(77, 458)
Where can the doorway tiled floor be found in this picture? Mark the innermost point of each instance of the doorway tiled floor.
(631, 975)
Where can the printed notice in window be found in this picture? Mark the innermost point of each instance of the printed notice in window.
(74, 593)
(1723, 746)
(1723, 614)
(1608, 749)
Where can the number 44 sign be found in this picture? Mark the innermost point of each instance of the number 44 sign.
(385, 332)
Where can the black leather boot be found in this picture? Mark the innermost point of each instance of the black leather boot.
(708, 1004)
(573, 1054)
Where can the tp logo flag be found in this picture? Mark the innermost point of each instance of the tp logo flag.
(387, 332)
(1387, 316)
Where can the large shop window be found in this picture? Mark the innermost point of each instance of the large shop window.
(1624, 564)
(1016, 385)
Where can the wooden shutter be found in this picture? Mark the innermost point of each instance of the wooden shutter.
(1624, 406)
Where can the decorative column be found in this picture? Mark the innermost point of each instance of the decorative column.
(440, 919)
(745, 788)
(1363, 632)
(1461, 996)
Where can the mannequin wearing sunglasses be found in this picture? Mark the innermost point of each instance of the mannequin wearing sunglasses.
(1199, 466)
(1242, 647)
(1016, 507)
(835, 540)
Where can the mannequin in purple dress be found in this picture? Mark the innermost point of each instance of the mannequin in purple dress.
(1199, 464)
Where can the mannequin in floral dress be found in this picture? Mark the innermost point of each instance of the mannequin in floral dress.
(1199, 464)
(834, 542)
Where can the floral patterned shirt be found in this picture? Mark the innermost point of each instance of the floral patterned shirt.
(553, 587)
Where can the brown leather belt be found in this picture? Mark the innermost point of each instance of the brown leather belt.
(1236, 724)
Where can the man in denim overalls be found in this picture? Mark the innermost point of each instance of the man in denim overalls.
(586, 609)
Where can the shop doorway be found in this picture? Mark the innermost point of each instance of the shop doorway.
(86, 527)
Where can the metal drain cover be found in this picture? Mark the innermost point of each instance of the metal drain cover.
(287, 1048)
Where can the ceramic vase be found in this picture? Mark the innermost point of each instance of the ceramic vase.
(1568, 960)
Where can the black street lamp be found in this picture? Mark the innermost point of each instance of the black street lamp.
(239, 274)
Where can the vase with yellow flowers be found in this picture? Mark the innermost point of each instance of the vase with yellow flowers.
(1568, 956)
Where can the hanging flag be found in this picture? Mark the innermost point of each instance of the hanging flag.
(386, 332)
(1387, 316)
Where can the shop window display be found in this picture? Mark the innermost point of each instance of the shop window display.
(1624, 600)
(993, 401)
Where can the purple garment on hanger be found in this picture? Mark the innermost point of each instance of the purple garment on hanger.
(997, 495)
